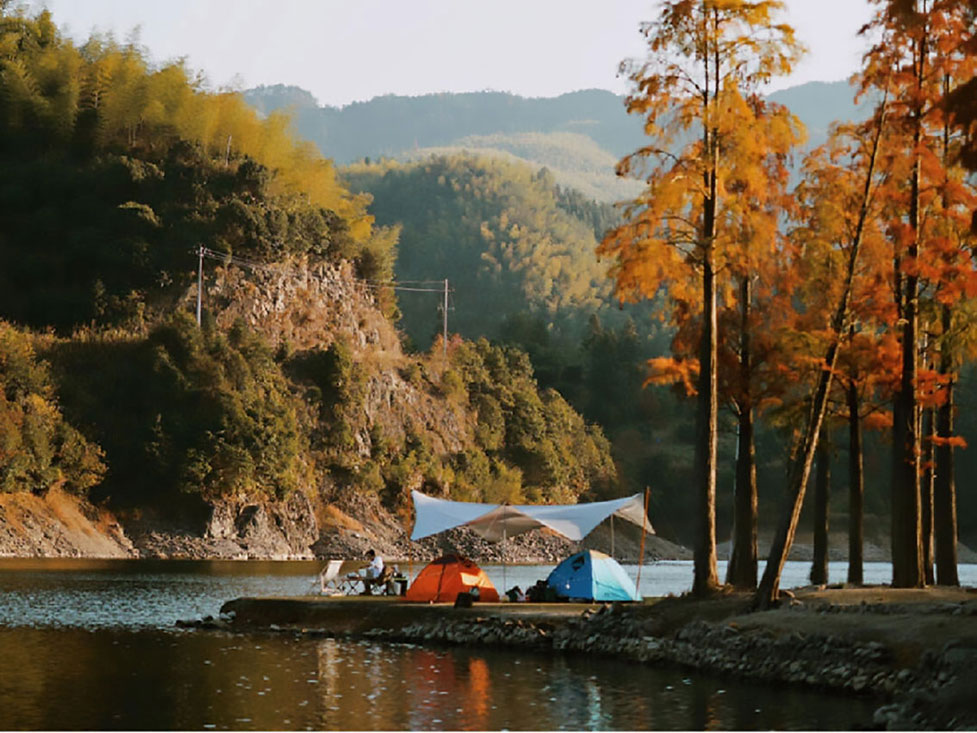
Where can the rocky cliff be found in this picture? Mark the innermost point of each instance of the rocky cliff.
(58, 525)
(377, 423)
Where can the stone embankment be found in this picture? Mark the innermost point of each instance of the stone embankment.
(914, 651)
(820, 661)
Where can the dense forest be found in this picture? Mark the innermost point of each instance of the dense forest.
(118, 176)
(789, 211)
(772, 307)
(861, 301)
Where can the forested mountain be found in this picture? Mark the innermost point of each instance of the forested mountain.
(114, 173)
(497, 231)
(519, 253)
(366, 129)
(578, 136)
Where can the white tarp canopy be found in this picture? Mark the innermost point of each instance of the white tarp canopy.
(497, 521)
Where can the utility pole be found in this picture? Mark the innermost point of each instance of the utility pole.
(444, 332)
(200, 283)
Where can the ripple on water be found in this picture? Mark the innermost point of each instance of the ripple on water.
(77, 635)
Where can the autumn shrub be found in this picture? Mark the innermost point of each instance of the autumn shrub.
(39, 449)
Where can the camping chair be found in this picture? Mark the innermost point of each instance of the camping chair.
(329, 578)
(335, 579)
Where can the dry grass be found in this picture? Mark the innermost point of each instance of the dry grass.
(332, 517)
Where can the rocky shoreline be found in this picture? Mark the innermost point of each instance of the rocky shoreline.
(916, 654)
(61, 525)
(819, 661)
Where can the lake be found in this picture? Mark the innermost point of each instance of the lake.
(88, 644)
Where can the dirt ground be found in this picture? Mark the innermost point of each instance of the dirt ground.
(909, 621)
(916, 626)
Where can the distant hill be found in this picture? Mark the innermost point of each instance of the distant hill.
(575, 160)
(390, 124)
(578, 136)
(820, 103)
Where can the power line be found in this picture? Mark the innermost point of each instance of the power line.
(403, 285)
(408, 286)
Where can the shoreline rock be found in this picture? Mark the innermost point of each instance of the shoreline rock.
(810, 643)
(61, 525)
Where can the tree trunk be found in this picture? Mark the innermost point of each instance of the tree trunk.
(706, 576)
(742, 569)
(926, 494)
(906, 540)
(856, 488)
(800, 469)
(822, 499)
(705, 579)
(944, 490)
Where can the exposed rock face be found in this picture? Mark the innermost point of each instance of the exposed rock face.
(305, 306)
(279, 530)
(283, 530)
(58, 525)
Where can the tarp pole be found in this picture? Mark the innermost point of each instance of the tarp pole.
(504, 589)
(641, 560)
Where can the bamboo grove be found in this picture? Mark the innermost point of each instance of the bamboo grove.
(841, 298)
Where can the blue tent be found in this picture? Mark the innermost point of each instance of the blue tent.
(593, 576)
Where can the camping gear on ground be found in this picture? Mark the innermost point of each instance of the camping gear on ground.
(515, 595)
(443, 579)
(400, 583)
(497, 522)
(542, 593)
(592, 576)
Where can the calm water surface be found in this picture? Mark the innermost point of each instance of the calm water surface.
(91, 645)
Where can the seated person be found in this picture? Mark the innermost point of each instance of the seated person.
(374, 574)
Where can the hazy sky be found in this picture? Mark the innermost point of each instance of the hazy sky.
(351, 50)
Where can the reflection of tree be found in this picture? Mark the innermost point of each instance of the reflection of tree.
(478, 694)
(427, 674)
(363, 687)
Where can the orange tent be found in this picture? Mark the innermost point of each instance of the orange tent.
(446, 577)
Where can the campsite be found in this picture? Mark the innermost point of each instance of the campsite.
(837, 639)
(438, 365)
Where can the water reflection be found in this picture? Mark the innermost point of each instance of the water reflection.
(91, 645)
(55, 679)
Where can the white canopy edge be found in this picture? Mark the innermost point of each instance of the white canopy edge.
(496, 521)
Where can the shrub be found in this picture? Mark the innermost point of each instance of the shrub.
(39, 449)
